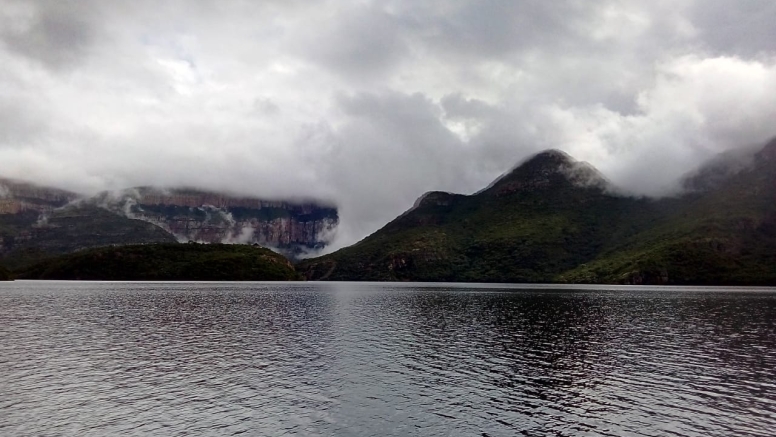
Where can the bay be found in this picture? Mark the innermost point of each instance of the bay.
(357, 359)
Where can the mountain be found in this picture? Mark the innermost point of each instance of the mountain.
(38, 222)
(292, 228)
(723, 234)
(167, 262)
(546, 216)
(29, 237)
(553, 219)
(19, 197)
(719, 169)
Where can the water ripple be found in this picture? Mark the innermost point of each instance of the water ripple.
(384, 359)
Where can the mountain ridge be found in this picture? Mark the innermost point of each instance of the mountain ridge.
(204, 216)
(553, 219)
(38, 222)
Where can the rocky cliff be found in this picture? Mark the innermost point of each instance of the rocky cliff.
(37, 222)
(293, 228)
(17, 197)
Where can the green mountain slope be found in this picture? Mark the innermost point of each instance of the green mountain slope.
(5, 275)
(553, 219)
(165, 262)
(725, 234)
(547, 216)
(26, 238)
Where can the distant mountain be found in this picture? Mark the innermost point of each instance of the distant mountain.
(19, 197)
(553, 219)
(166, 262)
(292, 228)
(38, 222)
(722, 233)
(719, 169)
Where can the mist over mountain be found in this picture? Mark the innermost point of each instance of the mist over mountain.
(554, 219)
(294, 228)
(38, 222)
(371, 103)
(550, 218)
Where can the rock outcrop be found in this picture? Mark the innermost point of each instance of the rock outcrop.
(292, 228)
(37, 222)
(17, 197)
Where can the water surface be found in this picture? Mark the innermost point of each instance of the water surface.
(385, 359)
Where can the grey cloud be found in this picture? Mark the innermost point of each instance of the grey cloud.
(266, 106)
(373, 40)
(370, 104)
(457, 106)
(391, 144)
(744, 28)
(496, 28)
(362, 43)
(19, 127)
(55, 33)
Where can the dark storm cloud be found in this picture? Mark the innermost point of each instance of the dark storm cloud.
(56, 33)
(373, 103)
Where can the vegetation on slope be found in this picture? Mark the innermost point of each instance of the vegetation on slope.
(166, 262)
(5, 275)
(28, 239)
(531, 225)
(726, 235)
(553, 220)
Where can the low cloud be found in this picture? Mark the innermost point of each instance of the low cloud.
(371, 104)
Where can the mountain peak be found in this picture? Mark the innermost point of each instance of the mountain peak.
(19, 196)
(548, 160)
(546, 169)
(550, 155)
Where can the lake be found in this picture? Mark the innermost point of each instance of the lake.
(360, 359)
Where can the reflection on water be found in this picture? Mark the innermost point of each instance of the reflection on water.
(384, 359)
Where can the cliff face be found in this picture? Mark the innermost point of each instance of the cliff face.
(190, 215)
(18, 197)
(38, 222)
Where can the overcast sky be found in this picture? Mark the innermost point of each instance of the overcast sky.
(370, 104)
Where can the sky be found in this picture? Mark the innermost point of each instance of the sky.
(369, 104)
